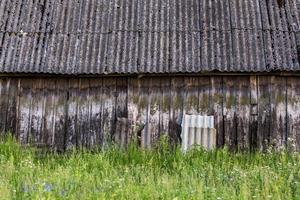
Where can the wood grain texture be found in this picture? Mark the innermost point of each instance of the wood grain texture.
(278, 121)
(108, 109)
(293, 109)
(176, 108)
(205, 105)
(133, 110)
(264, 112)
(243, 106)
(154, 109)
(37, 112)
(4, 90)
(72, 109)
(250, 112)
(229, 107)
(191, 99)
(24, 110)
(95, 92)
(144, 112)
(49, 112)
(83, 116)
(122, 123)
(61, 109)
(165, 103)
(254, 113)
(11, 116)
(217, 98)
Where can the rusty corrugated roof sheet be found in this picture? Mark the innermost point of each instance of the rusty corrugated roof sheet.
(153, 36)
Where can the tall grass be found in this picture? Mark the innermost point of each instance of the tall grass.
(160, 173)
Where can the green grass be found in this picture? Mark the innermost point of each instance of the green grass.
(162, 173)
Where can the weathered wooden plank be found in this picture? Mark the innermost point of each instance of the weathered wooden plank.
(49, 112)
(134, 129)
(165, 103)
(293, 111)
(108, 109)
(278, 112)
(191, 102)
(254, 113)
(155, 100)
(143, 112)
(95, 111)
(230, 125)
(121, 132)
(205, 106)
(176, 108)
(4, 90)
(217, 107)
(60, 119)
(264, 111)
(72, 109)
(11, 117)
(37, 111)
(83, 117)
(243, 104)
(25, 101)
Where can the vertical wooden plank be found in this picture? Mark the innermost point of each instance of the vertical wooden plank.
(155, 100)
(254, 113)
(60, 114)
(230, 125)
(191, 102)
(4, 90)
(293, 111)
(143, 111)
(217, 107)
(264, 111)
(95, 111)
(18, 117)
(176, 108)
(24, 109)
(83, 117)
(204, 96)
(243, 112)
(108, 109)
(49, 112)
(72, 109)
(11, 117)
(278, 112)
(121, 132)
(133, 110)
(164, 114)
(37, 111)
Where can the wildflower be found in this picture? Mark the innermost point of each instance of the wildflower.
(47, 187)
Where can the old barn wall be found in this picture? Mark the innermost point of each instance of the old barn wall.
(249, 111)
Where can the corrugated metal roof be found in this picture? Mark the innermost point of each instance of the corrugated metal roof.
(153, 36)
